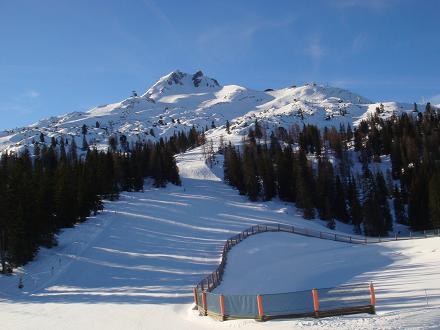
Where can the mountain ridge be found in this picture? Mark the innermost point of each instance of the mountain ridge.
(179, 100)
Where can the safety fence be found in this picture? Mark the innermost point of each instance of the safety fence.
(294, 303)
(210, 282)
(347, 299)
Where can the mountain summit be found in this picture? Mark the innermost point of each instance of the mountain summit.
(180, 82)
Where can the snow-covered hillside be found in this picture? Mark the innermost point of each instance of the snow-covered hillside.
(134, 265)
(180, 100)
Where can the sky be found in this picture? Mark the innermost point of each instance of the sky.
(59, 56)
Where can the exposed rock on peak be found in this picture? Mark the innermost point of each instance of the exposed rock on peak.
(182, 82)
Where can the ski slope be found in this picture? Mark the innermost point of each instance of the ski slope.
(134, 265)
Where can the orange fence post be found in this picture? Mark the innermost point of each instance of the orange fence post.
(196, 300)
(205, 306)
(315, 301)
(260, 307)
(372, 295)
(222, 307)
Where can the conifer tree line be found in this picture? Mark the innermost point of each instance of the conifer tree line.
(412, 142)
(57, 187)
(319, 171)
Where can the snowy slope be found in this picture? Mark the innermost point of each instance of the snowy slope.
(400, 270)
(179, 100)
(133, 266)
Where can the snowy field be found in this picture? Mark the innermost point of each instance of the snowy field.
(134, 265)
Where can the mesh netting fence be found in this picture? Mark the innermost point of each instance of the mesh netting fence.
(301, 303)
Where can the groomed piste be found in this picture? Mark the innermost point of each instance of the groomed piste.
(135, 264)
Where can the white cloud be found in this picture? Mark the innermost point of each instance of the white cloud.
(234, 39)
(359, 43)
(375, 5)
(32, 94)
(15, 109)
(315, 49)
(22, 104)
(159, 14)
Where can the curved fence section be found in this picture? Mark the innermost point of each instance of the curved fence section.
(345, 299)
(213, 280)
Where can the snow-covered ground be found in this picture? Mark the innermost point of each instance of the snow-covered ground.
(278, 262)
(134, 265)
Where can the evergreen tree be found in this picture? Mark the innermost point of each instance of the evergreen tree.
(85, 144)
(371, 217)
(304, 187)
(354, 205)
(3, 214)
(286, 174)
(233, 169)
(228, 127)
(325, 190)
(399, 207)
(258, 130)
(382, 199)
(267, 173)
(53, 142)
(73, 151)
(113, 143)
(339, 201)
(251, 180)
(418, 200)
(434, 200)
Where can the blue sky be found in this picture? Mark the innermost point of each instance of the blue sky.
(58, 56)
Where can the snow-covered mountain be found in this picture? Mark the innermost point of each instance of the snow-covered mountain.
(180, 100)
